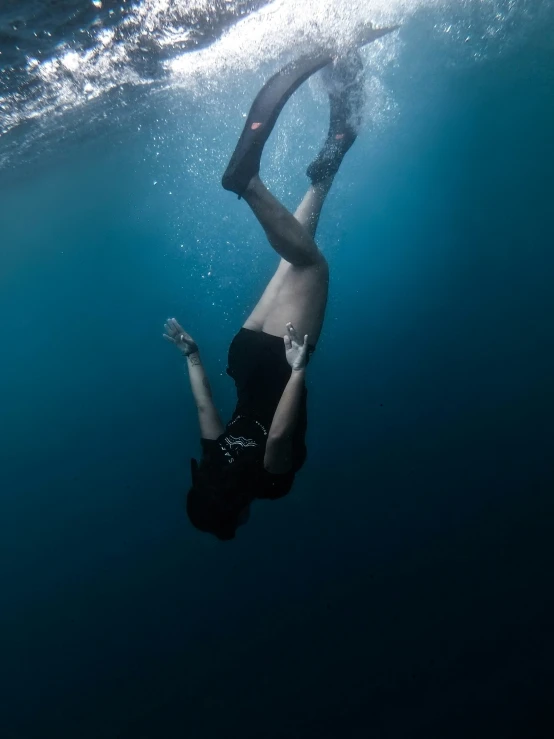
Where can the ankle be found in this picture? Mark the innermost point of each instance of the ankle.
(323, 186)
(253, 186)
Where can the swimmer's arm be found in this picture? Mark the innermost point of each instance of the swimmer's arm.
(278, 451)
(208, 417)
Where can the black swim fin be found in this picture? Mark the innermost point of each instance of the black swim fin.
(269, 102)
(346, 100)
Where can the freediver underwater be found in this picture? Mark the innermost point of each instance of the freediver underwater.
(257, 454)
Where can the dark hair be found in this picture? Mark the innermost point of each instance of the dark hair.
(218, 497)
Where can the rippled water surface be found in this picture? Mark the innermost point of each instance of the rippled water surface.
(58, 56)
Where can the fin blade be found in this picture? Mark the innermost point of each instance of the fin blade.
(369, 34)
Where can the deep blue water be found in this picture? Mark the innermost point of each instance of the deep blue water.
(403, 589)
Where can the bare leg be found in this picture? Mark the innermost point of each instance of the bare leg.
(290, 239)
(309, 210)
(298, 291)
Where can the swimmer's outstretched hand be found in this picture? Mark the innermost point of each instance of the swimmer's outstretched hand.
(177, 335)
(296, 351)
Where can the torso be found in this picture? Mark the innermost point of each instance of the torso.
(243, 435)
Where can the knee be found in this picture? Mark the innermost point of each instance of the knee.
(314, 261)
(321, 264)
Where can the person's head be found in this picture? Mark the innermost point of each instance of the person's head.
(219, 500)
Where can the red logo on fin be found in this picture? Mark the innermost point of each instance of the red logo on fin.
(339, 136)
(254, 126)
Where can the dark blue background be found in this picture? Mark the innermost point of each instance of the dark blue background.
(404, 588)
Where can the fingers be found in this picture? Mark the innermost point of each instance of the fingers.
(168, 338)
(288, 343)
(292, 332)
(174, 329)
(170, 327)
(178, 326)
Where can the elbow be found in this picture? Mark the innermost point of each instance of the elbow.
(278, 436)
